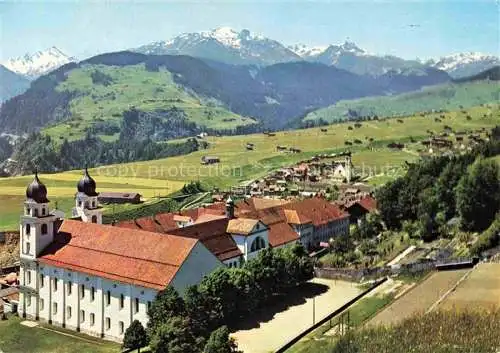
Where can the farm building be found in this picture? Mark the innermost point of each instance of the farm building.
(119, 197)
(210, 159)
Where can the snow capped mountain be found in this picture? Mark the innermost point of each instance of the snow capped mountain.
(465, 64)
(39, 63)
(226, 45)
(305, 51)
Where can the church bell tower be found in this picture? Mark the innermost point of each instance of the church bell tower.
(87, 207)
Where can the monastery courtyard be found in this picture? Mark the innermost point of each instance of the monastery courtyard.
(266, 334)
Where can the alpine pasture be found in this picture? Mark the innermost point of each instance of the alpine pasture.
(367, 140)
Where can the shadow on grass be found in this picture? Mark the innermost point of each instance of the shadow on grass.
(280, 303)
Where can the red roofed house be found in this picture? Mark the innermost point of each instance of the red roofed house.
(360, 208)
(95, 278)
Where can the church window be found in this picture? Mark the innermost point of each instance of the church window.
(28, 300)
(257, 244)
(70, 287)
(41, 304)
(27, 211)
(108, 323)
(92, 294)
(68, 311)
(42, 280)
(82, 315)
(120, 324)
(36, 212)
(55, 284)
(108, 297)
(27, 247)
(44, 229)
(94, 219)
(82, 291)
(43, 211)
(136, 305)
(54, 308)
(92, 319)
(28, 228)
(79, 203)
(28, 277)
(122, 301)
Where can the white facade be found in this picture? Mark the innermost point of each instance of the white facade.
(83, 301)
(250, 244)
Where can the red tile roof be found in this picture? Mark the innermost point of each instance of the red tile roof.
(318, 210)
(214, 236)
(130, 256)
(368, 203)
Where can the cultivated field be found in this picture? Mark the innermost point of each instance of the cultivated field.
(419, 299)
(237, 165)
(276, 330)
(481, 289)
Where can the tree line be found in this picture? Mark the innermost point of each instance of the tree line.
(41, 152)
(435, 190)
(198, 321)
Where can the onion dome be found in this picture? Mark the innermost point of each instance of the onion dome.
(87, 185)
(36, 191)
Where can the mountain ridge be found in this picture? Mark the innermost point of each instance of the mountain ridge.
(273, 94)
(244, 48)
(41, 62)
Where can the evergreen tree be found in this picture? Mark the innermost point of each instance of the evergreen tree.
(220, 342)
(173, 336)
(135, 336)
(478, 195)
(166, 305)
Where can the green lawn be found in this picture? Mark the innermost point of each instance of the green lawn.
(16, 338)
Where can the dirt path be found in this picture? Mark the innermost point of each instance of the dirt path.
(420, 298)
(270, 334)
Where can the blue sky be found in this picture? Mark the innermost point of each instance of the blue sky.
(87, 28)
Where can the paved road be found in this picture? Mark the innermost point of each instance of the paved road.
(277, 329)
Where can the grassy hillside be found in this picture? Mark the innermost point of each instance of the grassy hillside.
(237, 165)
(103, 93)
(437, 332)
(447, 97)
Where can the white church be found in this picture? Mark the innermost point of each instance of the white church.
(87, 276)
(94, 278)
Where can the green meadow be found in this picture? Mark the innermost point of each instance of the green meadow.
(443, 97)
(133, 86)
(237, 165)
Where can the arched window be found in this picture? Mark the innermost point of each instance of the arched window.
(36, 212)
(27, 211)
(257, 244)
(28, 229)
(43, 211)
(94, 219)
(44, 229)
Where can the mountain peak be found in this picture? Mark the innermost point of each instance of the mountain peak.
(39, 63)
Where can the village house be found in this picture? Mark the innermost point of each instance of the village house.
(360, 208)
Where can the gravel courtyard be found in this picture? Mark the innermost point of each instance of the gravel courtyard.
(265, 333)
